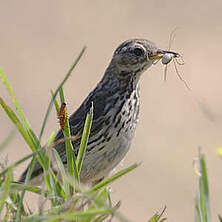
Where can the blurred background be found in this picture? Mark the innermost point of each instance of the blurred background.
(39, 41)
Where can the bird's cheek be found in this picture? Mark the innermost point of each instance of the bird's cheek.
(148, 64)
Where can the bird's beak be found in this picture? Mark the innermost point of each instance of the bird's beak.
(158, 54)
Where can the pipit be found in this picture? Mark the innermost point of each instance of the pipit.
(116, 103)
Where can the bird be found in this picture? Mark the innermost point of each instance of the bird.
(116, 102)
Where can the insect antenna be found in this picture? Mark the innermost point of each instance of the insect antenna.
(171, 40)
(172, 37)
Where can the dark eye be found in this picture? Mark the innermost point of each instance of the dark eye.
(138, 51)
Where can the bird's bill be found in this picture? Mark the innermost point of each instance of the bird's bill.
(160, 53)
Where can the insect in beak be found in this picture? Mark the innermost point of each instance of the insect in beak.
(166, 56)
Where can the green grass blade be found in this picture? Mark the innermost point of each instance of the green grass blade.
(157, 217)
(204, 198)
(21, 129)
(18, 108)
(56, 188)
(17, 123)
(48, 149)
(71, 160)
(55, 102)
(15, 101)
(20, 187)
(20, 161)
(62, 170)
(61, 95)
(5, 189)
(69, 216)
(113, 178)
(57, 90)
(202, 205)
(197, 212)
(51, 181)
(84, 140)
(28, 176)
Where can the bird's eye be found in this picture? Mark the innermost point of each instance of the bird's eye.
(138, 51)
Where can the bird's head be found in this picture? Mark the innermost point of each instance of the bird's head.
(134, 56)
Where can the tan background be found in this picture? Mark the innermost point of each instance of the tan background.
(40, 39)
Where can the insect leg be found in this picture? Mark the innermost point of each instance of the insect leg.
(165, 73)
(179, 76)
